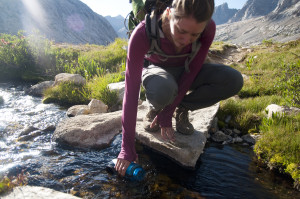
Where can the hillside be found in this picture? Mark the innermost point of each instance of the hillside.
(67, 21)
(118, 25)
(282, 24)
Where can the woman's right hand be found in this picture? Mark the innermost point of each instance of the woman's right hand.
(121, 166)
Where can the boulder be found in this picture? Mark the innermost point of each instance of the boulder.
(33, 192)
(97, 106)
(119, 87)
(66, 77)
(281, 110)
(89, 131)
(219, 136)
(78, 110)
(38, 89)
(187, 148)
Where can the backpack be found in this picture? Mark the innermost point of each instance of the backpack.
(149, 10)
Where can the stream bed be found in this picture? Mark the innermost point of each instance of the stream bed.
(222, 171)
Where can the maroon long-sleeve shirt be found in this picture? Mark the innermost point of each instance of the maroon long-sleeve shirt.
(138, 47)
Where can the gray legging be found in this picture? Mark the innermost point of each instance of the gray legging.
(213, 83)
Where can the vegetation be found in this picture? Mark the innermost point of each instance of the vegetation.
(34, 58)
(274, 78)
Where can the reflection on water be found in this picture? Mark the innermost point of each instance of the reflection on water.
(221, 172)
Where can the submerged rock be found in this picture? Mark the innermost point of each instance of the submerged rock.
(38, 89)
(32, 192)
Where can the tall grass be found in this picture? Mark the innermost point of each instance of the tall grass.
(34, 58)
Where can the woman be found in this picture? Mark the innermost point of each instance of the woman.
(169, 85)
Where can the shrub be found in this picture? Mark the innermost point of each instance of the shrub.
(67, 94)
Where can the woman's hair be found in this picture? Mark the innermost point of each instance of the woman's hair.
(200, 10)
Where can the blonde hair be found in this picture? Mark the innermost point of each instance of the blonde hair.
(200, 10)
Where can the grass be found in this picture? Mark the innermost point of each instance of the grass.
(274, 78)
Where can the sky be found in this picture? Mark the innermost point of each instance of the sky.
(123, 7)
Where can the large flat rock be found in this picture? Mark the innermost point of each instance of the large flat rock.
(187, 148)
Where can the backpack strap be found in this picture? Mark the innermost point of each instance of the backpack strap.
(152, 31)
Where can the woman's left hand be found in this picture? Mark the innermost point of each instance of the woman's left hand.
(166, 132)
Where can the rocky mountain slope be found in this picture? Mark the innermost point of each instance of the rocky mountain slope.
(282, 24)
(67, 21)
(254, 8)
(223, 13)
(118, 25)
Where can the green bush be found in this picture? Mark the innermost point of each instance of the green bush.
(67, 94)
(99, 90)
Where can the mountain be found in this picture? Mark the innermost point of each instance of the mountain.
(118, 23)
(67, 21)
(282, 24)
(222, 14)
(254, 8)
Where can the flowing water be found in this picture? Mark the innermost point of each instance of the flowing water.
(221, 172)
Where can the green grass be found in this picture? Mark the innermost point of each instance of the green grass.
(274, 78)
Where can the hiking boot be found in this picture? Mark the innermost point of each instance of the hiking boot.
(148, 119)
(183, 125)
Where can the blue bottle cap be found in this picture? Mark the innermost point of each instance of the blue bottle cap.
(138, 174)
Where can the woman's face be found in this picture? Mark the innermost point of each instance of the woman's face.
(185, 31)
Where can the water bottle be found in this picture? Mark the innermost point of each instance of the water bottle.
(134, 171)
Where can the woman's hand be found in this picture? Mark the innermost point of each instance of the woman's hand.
(166, 132)
(121, 166)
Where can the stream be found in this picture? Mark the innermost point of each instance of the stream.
(222, 171)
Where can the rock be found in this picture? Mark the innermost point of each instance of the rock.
(49, 128)
(214, 126)
(119, 87)
(249, 139)
(30, 136)
(78, 110)
(33, 192)
(186, 149)
(281, 110)
(220, 137)
(237, 139)
(28, 130)
(236, 131)
(1, 100)
(38, 89)
(66, 77)
(97, 106)
(89, 131)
